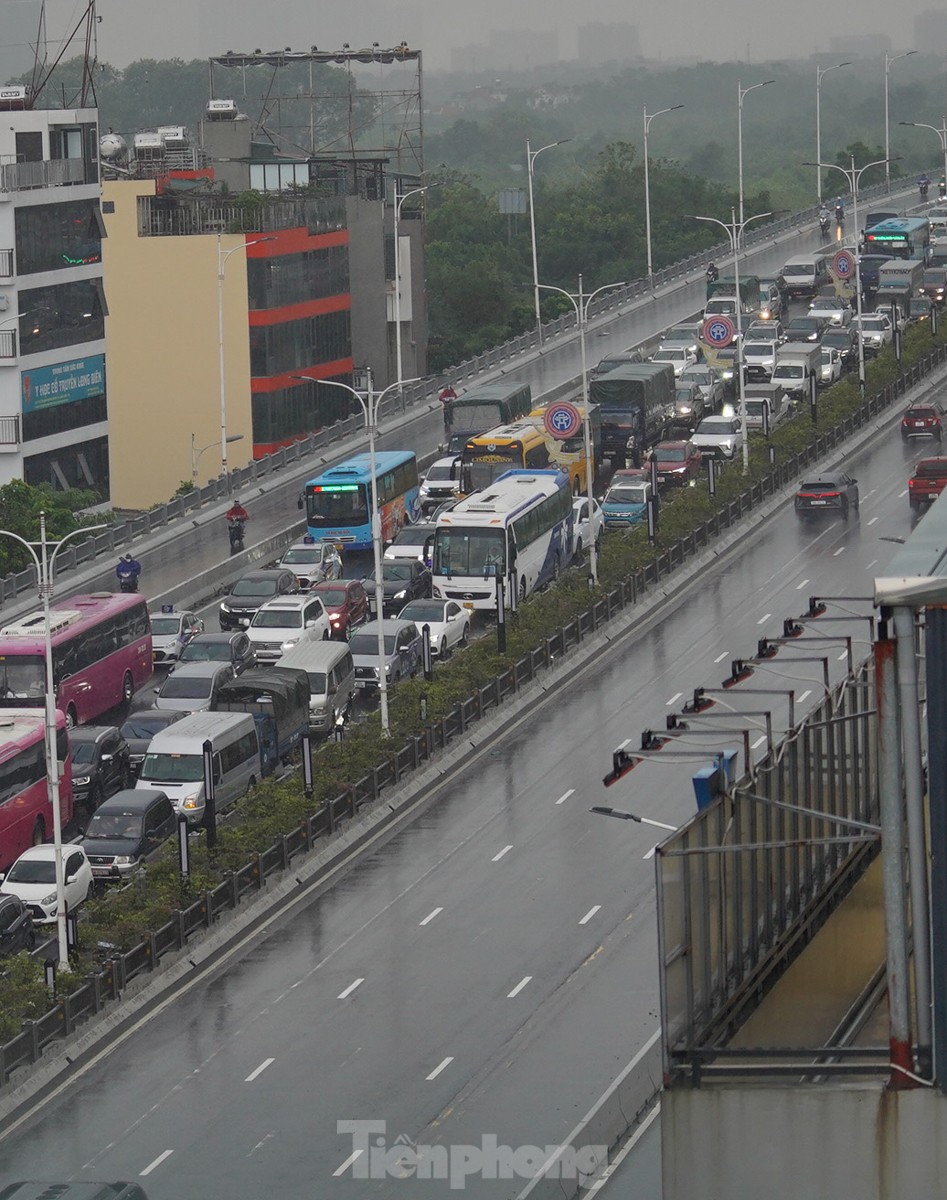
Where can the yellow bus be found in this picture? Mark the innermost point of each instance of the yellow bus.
(507, 447)
(568, 455)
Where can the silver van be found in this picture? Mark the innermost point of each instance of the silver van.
(175, 761)
(804, 274)
(331, 674)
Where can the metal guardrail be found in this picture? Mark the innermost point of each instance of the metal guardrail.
(27, 1047)
(121, 533)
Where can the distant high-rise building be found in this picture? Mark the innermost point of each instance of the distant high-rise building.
(521, 48)
(608, 41)
(930, 31)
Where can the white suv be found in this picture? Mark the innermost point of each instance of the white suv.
(284, 622)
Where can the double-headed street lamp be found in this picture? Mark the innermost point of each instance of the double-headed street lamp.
(531, 156)
(940, 130)
(222, 257)
(742, 93)
(44, 561)
(889, 59)
(734, 231)
(853, 176)
(399, 200)
(820, 73)
(580, 302)
(197, 451)
(369, 400)
(648, 118)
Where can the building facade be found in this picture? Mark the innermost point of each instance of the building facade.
(53, 378)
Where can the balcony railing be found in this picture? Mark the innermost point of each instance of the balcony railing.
(156, 218)
(9, 434)
(6, 264)
(7, 345)
(21, 176)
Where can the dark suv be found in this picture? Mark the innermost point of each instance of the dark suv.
(126, 829)
(251, 591)
(16, 926)
(101, 764)
(923, 420)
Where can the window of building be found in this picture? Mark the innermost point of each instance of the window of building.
(62, 417)
(296, 345)
(85, 465)
(285, 279)
(51, 237)
(29, 147)
(297, 411)
(64, 314)
(278, 176)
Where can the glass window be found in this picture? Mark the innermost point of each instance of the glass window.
(64, 314)
(302, 344)
(50, 237)
(285, 279)
(85, 465)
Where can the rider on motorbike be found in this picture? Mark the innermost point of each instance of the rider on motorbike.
(825, 218)
(127, 573)
(712, 273)
(839, 210)
(923, 183)
(942, 187)
(237, 516)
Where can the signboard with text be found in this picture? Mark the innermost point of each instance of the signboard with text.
(61, 383)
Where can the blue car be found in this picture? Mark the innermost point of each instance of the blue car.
(626, 503)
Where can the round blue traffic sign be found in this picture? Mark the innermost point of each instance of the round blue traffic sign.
(719, 331)
(562, 419)
(843, 264)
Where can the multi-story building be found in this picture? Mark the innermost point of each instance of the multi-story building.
(53, 399)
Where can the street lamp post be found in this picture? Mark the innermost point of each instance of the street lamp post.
(580, 303)
(853, 176)
(940, 130)
(742, 93)
(531, 156)
(889, 59)
(44, 562)
(222, 257)
(734, 231)
(369, 402)
(399, 200)
(648, 118)
(820, 73)
(197, 451)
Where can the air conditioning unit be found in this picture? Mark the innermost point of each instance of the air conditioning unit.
(13, 97)
(221, 110)
(4, 302)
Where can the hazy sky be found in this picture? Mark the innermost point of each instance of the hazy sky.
(727, 29)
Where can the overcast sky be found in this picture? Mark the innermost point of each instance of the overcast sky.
(726, 29)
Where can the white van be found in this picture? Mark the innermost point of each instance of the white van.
(331, 672)
(804, 274)
(175, 761)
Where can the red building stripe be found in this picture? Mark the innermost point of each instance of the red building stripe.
(296, 312)
(294, 241)
(273, 383)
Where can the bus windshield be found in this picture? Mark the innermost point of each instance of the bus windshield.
(469, 552)
(22, 678)
(339, 504)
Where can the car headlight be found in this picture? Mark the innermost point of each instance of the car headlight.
(289, 643)
(190, 802)
(82, 780)
(123, 860)
(387, 668)
(336, 622)
(225, 608)
(424, 489)
(400, 595)
(47, 900)
(728, 375)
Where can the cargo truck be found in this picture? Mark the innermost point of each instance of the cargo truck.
(796, 363)
(726, 286)
(900, 278)
(633, 400)
(766, 404)
(484, 407)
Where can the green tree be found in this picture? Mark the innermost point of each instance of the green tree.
(20, 508)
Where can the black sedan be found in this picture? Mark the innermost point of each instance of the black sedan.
(251, 591)
(402, 580)
(227, 647)
(16, 926)
(141, 727)
(836, 493)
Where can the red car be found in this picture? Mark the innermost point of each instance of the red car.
(346, 602)
(923, 420)
(678, 463)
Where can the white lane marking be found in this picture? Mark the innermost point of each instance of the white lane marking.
(627, 1148)
(721, 657)
(565, 796)
(590, 914)
(519, 987)
(350, 989)
(840, 550)
(759, 742)
(430, 916)
(440, 1067)
(800, 586)
(674, 698)
(505, 850)
(622, 745)
(157, 1163)
(764, 618)
(901, 495)
(871, 492)
(873, 520)
(871, 564)
(267, 1062)
(842, 657)
(353, 1157)
(805, 695)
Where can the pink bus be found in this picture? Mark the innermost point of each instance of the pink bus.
(26, 811)
(101, 655)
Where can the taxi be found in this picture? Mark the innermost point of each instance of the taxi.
(171, 631)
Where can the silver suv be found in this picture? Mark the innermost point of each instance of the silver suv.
(282, 623)
(402, 652)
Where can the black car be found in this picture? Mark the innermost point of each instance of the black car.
(845, 342)
(126, 829)
(233, 648)
(141, 727)
(403, 580)
(101, 764)
(806, 329)
(836, 493)
(251, 591)
(16, 926)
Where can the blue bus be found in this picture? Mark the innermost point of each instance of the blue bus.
(902, 237)
(338, 502)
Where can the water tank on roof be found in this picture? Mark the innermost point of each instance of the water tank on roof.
(149, 140)
(221, 110)
(112, 147)
(174, 137)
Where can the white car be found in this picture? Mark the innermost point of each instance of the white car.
(837, 310)
(875, 330)
(410, 541)
(586, 531)
(718, 437)
(442, 482)
(312, 562)
(33, 878)
(170, 633)
(449, 623)
(759, 359)
(680, 358)
(830, 366)
(284, 622)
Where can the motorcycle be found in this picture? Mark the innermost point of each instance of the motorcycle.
(236, 528)
(128, 583)
(824, 223)
(712, 274)
(922, 188)
(942, 188)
